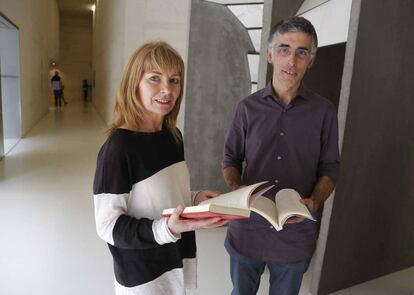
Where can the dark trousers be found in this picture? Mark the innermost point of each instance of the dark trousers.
(58, 97)
(285, 278)
(85, 95)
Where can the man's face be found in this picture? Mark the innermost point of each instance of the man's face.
(291, 56)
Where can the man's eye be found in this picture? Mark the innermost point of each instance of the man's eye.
(284, 50)
(303, 53)
(175, 81)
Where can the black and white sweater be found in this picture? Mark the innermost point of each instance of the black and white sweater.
(137, 176)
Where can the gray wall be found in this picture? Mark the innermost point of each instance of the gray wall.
(217, 78)
(372, 230)
(1, 122)
(10, 85)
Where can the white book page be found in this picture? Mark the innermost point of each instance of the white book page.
(237, 199)
(191, 209)
(288, 204)
(266, 208)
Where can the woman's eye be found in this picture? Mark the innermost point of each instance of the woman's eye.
(175, 81)
(154, 78)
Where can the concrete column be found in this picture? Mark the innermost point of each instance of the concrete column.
(371, 228)
(217, 78)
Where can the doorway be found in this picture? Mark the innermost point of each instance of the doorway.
(10, 103)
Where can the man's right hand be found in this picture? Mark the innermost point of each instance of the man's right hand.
(232, 177)
(236, 186)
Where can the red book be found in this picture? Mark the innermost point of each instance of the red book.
(210, 210)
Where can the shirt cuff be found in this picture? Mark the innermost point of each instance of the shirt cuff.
(331, 170)
(162, 233)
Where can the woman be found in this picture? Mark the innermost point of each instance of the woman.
(141, 171)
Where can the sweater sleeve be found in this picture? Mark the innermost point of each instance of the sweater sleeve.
(112, 187)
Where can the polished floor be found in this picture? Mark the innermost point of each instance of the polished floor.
(48, 242)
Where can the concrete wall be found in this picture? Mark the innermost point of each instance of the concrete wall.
(371, 229)
(38, 23)
(75, 63)
(217, 78)
(122, 26)
(10, 86)
(108, 54)
(1, 124)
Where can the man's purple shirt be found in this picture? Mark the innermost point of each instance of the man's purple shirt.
(291, 147)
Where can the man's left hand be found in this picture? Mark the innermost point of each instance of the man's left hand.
(311, 204)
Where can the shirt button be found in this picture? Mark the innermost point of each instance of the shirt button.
(271, 226)
(279, 157)
(281, 133)
(276, 181)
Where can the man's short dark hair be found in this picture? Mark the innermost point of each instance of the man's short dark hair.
(294, 24)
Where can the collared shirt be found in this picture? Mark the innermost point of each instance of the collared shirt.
(290, 146)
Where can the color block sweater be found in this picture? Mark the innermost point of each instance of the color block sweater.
(137, 176)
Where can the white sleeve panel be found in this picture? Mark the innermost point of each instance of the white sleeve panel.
(162, 233)
(108, 207)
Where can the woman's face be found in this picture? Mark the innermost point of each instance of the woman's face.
(159, 92)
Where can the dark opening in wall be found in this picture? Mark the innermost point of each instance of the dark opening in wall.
(325, 76)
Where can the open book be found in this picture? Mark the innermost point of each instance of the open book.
(287, 204)
(239, 203)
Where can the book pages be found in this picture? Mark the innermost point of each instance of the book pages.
(266, 208)
(238, 198)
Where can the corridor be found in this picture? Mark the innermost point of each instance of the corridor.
(49, 244)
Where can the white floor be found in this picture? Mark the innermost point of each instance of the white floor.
(48, 242)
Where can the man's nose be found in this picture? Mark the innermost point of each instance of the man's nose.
(292, 58)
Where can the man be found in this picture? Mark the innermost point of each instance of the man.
(288, 135)
(57, 89)
(85, 89)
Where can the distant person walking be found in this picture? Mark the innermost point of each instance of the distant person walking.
(57, 89)
(85, 88)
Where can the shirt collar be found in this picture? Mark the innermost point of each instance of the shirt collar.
(302, 92)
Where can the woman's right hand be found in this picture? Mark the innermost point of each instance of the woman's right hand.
(178, 226)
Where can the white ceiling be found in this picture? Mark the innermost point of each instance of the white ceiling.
(76, 7)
